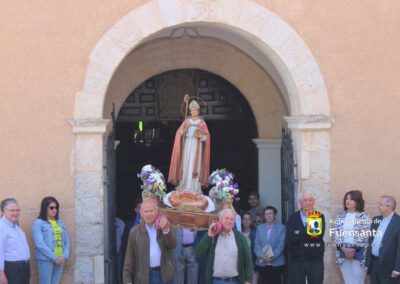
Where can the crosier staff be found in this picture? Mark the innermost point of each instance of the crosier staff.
(186, 102)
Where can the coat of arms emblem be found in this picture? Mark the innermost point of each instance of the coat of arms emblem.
(314, 223)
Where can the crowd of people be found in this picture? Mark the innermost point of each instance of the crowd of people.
(259, 251)
(263, 251)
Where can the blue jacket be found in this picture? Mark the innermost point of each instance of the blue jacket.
(276, 239)
(43, 239)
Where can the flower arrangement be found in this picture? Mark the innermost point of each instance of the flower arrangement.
(224, 187)
(153, 182)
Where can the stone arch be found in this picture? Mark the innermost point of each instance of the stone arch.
(209, 54)
(298, 72)
(271, 42)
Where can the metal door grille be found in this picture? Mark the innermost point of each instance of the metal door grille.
(288, 175)
(110, 255)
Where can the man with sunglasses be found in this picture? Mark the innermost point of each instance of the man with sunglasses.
(383, 253)
(14, 249)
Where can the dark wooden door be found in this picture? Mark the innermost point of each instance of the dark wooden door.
(149, 118)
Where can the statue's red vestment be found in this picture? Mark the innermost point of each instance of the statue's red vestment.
(202, 152)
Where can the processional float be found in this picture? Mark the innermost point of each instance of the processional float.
(187, 206)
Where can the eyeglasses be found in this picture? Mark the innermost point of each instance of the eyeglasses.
(53, 207)
(14, 210)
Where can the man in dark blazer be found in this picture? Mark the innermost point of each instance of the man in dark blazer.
(306, 252)
(383, 253)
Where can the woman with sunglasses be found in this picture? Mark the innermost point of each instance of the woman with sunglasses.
(51, 241)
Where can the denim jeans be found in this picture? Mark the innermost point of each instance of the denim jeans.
(49, 272)
(155, 277)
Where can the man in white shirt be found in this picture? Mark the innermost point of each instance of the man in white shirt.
(383, 254)
(148, 257)
(14, 249)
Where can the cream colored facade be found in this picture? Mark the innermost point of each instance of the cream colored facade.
(328, 69)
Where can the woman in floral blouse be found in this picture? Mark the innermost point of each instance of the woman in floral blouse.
(351, 232)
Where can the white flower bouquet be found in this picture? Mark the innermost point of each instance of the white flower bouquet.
(224, 187)
(153, 182)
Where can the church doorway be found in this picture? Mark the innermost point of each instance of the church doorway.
(250, 46)
(147, 122)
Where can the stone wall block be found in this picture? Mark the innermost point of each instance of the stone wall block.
(136, 26)
(294, 52)
(172, 12)
(99, 269)
(317, 145)
(96, 83)
(229, 15)
(89, 240)
(253, 17)
(196, 10)
(321, 193)
(150, 18)
(316, 141)
(275, 32)
(311, 88)
(108, 53)
(90, 104)
(84, 270)
(126, 33)
(316, 95)
(320, 166)
(88, 211)
(88, 184)
(89, 153)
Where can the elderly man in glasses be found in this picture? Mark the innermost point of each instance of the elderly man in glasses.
(383, 253)
(14, 250)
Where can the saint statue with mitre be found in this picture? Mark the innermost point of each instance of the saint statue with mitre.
(190, 161)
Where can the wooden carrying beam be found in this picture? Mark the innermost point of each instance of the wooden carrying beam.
(198, 221)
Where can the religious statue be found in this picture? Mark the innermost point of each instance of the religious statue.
(190, 161)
